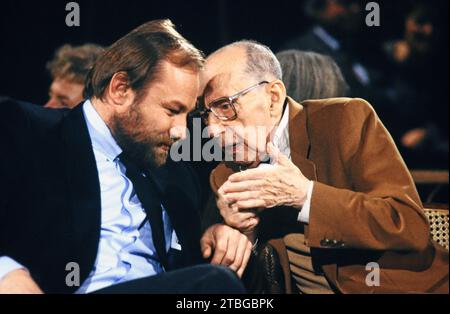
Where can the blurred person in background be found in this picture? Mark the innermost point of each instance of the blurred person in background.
(417, 88)
(304, 74)
(337, 25)
(68, 69)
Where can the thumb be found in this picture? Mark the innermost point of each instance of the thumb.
(252, 223)
(276, 155)
(206, 246)
(207, 251)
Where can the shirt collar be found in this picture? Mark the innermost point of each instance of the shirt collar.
(281, 135)
(101, 137)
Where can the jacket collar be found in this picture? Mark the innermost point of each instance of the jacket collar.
(300, 139)
(83, 190)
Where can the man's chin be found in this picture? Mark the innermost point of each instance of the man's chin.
(160, 159)
(154, 159)
(243, 162)
(242, 159)
(241, 165)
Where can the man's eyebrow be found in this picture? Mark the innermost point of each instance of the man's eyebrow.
(208, 88)
(177, 103)
(216, 80)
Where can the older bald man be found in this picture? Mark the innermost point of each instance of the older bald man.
(324, 176)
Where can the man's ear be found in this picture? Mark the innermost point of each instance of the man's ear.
(277, 97)
(119, 91)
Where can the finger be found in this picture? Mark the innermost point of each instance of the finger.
(233, 197)
(226, 210)
(220, 190)
(249, 225)
(252, 222)
(241, 217)
(240, 252)
(250, 204)
(243, 222)
(246, 258)
(206, 251)
(206, 247)
(220, 250)
(250, 174)
(230, 254)
(241, 186)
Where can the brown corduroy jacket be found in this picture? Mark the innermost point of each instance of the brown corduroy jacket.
(364, 205)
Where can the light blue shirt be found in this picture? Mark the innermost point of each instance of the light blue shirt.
(125, 252)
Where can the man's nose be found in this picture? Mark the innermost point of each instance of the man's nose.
(178, 130)
(52, 103)
(215, 129)
(214, 125)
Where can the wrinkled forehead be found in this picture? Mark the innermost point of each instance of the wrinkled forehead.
(225, 85)
(217, 84)
(223, 71)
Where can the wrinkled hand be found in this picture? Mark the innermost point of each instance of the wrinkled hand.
(19, 282)
(228, 247)
(281, 185)
(245, 221)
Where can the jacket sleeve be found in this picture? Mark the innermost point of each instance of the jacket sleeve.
(382, 210)
(13, 125)
(211, 214)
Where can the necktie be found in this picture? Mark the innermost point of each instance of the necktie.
(148, 195)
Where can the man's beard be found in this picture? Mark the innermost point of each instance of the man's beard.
(141, 145)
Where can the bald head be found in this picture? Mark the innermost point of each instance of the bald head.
(241, 59)
(221, 64)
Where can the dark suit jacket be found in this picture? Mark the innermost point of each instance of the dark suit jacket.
(364, 205)
(50, 210)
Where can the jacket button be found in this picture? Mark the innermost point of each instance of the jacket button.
(325, 242)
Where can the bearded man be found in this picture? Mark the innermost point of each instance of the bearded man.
(89, 200)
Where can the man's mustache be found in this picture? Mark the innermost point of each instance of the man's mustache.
(168, 141)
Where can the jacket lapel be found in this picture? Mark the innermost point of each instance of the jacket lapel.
(300, 143)
(84, 212)
(299, 139)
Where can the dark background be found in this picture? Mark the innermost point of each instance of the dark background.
(30, 31)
